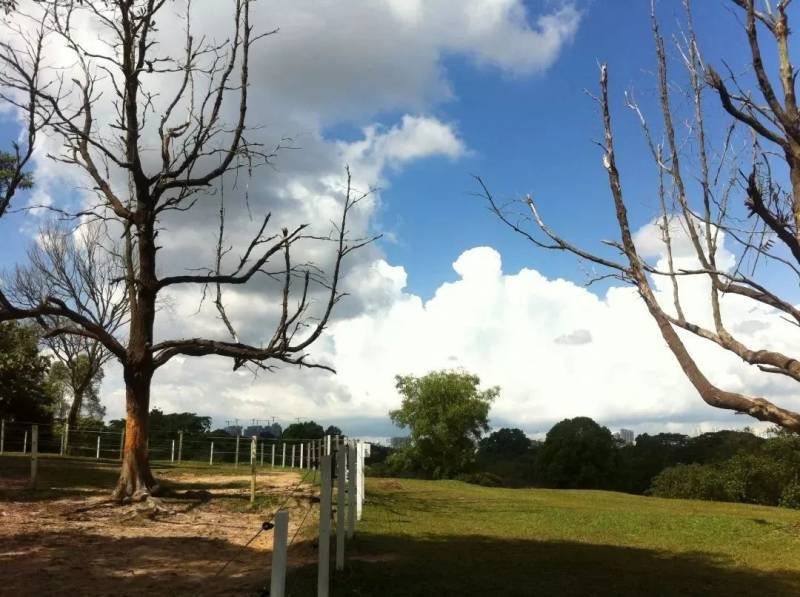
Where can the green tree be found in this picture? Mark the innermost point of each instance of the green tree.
(304, 430)
(333, 430)
(26, 393)
(577, 453)
(172, 422)
(446, 413)
(505, 443)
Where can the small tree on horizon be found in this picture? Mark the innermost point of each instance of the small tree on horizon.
(446, 413)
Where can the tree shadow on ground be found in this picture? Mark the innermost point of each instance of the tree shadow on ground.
(464, 566)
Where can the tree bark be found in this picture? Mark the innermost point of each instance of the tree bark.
(136, 481)
(74, 409)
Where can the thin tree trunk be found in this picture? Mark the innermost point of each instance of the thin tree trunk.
(74, 409)
(136, 481)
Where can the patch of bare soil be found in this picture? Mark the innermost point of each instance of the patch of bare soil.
(176, 545)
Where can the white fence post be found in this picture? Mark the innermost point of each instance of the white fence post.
(34, 454)
(172, 453)
(25, 443)
(61, 445)
(237, 451)
(301, 455)
(283, 458)
(273, 455)
(340, 494)
(352, 475)
(253, 470)
(277, 584)
(180, 446)
(328, 445)
(97, 455)
(211, 458)
(293, 447)
(360, 480)
(324, 553)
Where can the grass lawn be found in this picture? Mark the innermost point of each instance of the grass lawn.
(449, 538)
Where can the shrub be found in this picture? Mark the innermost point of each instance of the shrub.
(689, 481)
(481, 478)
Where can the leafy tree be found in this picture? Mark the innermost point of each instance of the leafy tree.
(333, 430)
(304, 430)
(26, 393)
(639, 463)
(169, 423)
(446, 413)
(172, 422)
(720, 445)
(506, 443)
(577, 453)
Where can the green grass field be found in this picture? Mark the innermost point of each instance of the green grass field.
(450, 538)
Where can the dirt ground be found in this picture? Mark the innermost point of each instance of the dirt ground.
(78, 542)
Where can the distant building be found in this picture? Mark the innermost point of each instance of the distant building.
(625, 436)
(399, 442)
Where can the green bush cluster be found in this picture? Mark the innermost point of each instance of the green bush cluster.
(770, 475)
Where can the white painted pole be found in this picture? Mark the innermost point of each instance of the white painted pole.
(253, 470)
(180, 446)
(301, 455)
(25, 443)
(2, 435)
(237, 451)
(340, 494)
(211, 458)
(172, 454)
(97, 455)
(352, 475)
(283, 458)
(273, 455)
(293, 446)
(328, 445)
(277, 584)
(324, 553)
(34, 454)
(360, 480)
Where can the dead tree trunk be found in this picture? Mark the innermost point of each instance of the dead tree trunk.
(136, 481)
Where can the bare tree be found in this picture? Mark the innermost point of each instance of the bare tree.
(768, 233)
(161, 155)
(81, 268)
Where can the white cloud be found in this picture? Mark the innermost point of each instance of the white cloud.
(556, 350)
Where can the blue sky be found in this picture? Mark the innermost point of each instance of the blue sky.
(523, 129)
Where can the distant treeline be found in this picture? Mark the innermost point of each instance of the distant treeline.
(735, 466)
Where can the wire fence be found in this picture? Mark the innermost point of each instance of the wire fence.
(176, 446)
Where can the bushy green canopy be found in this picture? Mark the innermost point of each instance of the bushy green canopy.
(25, 391)
(446, 413)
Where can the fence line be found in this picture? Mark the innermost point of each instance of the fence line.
(337, 455)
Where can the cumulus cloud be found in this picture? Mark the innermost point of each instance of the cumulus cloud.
(520, 331)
